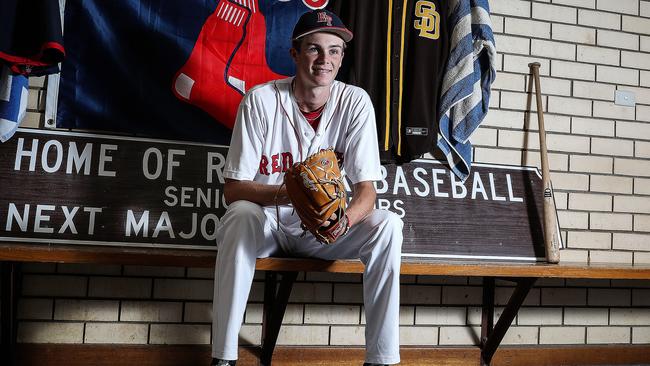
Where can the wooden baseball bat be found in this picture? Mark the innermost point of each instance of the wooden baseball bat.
(551, 236)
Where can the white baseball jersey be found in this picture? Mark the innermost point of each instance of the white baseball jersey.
(270, 133)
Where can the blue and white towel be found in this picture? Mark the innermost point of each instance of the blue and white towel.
(466, 83)
(13, 102)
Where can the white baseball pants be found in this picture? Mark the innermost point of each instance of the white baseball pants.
(249, 231)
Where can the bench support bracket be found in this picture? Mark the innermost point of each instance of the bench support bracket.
(491, 336)
(275, 303)
(10, 285)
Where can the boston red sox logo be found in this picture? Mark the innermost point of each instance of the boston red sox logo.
(323, 17)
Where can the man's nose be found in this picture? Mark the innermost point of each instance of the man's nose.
(322, 57)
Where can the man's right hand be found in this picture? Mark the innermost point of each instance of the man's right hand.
(262, 194)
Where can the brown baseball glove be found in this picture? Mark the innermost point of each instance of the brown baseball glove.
(315, 188)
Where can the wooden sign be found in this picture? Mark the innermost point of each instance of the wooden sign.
(74, 188)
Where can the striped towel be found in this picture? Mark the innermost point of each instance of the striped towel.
(13, 101)
(466, 83)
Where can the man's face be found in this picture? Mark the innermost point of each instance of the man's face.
(319, 59)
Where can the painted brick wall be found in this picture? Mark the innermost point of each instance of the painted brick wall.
(599, 159)
(600, 165)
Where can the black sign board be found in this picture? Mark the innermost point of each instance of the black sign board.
(74, 188)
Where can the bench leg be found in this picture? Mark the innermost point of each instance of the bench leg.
(275, 304)
(492, 337)
(9, 304)
(487, 313)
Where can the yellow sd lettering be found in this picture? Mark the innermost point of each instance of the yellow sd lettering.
(428, 21)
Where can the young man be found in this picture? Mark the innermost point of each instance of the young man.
(282, 122)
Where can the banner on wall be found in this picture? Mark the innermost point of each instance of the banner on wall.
(74, 188)
(170, 69)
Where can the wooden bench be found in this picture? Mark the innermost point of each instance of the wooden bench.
(282, 272)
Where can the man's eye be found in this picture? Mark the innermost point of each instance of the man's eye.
(334, 52)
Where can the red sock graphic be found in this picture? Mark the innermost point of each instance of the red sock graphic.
(227, 60)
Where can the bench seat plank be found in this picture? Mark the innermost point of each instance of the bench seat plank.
(469, 268)
(410, 266)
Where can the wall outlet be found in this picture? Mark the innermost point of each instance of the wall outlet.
(626, 98)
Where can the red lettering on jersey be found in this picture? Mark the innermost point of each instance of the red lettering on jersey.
(315, 4)
(287, 161)
(264, 161)
(275, 163)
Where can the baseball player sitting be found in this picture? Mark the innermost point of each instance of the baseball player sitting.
(278, 124)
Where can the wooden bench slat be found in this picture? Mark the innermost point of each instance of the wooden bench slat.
(472, 269)
(57, 253)
(197, 258)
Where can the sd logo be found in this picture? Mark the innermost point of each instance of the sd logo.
(428, 21)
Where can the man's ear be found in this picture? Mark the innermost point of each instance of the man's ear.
(294, 53)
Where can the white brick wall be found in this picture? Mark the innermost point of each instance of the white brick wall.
(600, 162)
(608, 335)
(183, 289)
(599, 19)
(50, 332)
(564, 296)
(539, 316)
(445, 312)
(116, 287)
(607, 221)
(33, 309)
(611, 184)
(633, 316)
(90, 310)
(418, 336)
(46, 285)
(179, 334)
(610, 257)
(641, 335)
(120, 333)
(521, 335)
(441, 315)
(312, 335)
(591, 126)
(150, 311)
(586, 316)
(456, 336)
(331, 314)
(562, 335)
